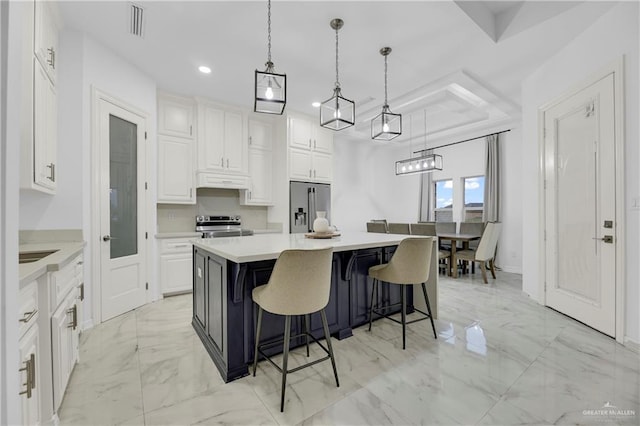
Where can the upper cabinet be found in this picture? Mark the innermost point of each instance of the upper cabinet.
(39, 137)
(175, 116)
(46, 37)
(260, 190)
(222, 146)
(310, 150)
(176, 159)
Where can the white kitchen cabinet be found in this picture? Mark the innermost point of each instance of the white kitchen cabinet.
(30, 356)
(222, 147)
(46, 37)
(310, 166)
(176, 173)
(306, 134)
(30, 396)
(260, 192)
(175, 116)
(64, 344)
(176, 265)
(260, 135)
(45, 131)
(310, 151)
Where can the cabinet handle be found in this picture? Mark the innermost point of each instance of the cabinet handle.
(181, 245)
(52, 176)
(81, 292)
(309, 172)
(190, 192)
(314, 144)
(249, 194)
(27, 316)
(73, 311)
(29, 368)
(227, 163)
(52, 57)
(227, 181)
(221, 161)
(314, 173)
(250, 140)
(309, 142)
(190, 130)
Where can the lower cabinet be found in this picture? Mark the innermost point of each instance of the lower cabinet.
(176, 265)
(29, 376)
(64, 344)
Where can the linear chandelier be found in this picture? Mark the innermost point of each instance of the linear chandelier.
(426, 162)
(270, 95)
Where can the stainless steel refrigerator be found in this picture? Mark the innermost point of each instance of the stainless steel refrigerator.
(305, 199)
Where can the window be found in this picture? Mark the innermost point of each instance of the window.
(473, 198)
(443, 195)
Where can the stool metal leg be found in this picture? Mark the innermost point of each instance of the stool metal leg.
(327, 337)
(403, 298)
(257, 341)
(426, 301)
(305, 323)
(373, 292)
(285, 358)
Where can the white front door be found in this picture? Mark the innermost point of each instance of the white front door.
(121, 136)
(580, 206)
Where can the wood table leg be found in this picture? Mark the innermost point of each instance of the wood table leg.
(454, 263)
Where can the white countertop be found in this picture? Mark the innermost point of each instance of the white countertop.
(269, 246)
(65, 253)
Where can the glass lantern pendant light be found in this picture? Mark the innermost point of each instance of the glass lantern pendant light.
(337, 113)
(387, 125)
(270, 87)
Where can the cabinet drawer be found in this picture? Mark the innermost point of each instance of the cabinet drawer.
(176, 245)
(64, 280)
(28, 306)
(211, 180)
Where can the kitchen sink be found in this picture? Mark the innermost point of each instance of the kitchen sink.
(33, 256)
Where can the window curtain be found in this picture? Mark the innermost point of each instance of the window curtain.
(426, 186)
(491, 211)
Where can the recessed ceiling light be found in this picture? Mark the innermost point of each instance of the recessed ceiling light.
(316, 104)
(204, 70)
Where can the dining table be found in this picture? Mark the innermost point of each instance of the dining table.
(454, 237)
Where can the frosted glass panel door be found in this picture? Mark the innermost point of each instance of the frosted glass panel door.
(123, 193)
(122, 207)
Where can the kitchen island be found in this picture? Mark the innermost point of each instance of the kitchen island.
(226, 270)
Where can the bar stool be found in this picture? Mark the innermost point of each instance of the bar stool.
(409, 265)
(300, 284)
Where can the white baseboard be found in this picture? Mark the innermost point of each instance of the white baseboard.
(86, 325)
(511, 269)
(633, 345)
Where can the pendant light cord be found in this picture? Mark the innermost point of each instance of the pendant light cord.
(269, 31)
(386, 104)
(337, 79)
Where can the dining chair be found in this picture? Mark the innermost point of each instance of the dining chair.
(445, 228)
(428, 229)
(486, 250)
(410, 265)
(399, 228)
(474, 228)
(378, 227)
(299, 285)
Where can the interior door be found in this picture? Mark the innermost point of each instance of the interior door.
(580, 206)
(122, 210)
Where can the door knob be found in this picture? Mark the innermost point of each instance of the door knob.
(106, 238)
(607, 239)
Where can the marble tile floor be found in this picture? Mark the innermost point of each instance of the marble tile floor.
(500, 359)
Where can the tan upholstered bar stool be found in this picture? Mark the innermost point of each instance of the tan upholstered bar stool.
(300, 284)
(409, 265)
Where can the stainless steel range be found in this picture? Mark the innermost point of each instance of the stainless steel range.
(221, 226)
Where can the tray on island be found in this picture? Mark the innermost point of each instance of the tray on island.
(322, 235)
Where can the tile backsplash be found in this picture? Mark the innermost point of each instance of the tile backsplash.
(210, 201)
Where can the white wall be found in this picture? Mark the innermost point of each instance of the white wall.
(613, 35)
(366, 187)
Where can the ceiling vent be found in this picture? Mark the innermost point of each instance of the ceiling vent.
(136, 25)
